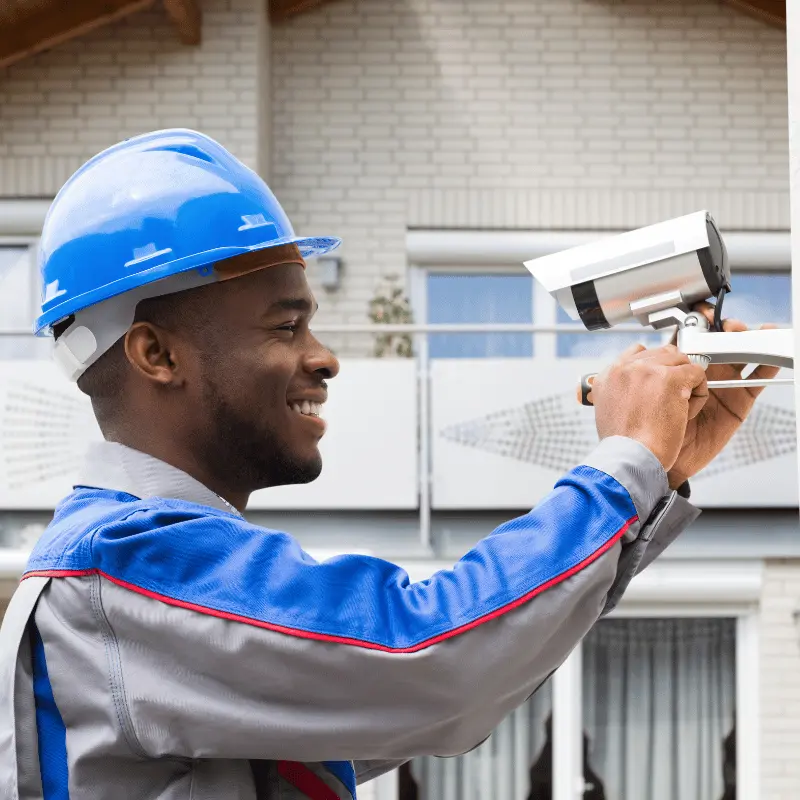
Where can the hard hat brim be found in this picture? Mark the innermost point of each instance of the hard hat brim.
(309, 247)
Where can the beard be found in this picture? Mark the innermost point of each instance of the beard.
(247, 454)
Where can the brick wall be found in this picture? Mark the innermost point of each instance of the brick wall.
(61, 107)
(780, 682)
(523, 113)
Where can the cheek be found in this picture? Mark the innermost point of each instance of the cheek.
(260, 382)
(250, 382)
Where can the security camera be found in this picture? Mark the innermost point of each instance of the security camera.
(644, 275)
(655, 275)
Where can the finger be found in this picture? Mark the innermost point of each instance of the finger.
(762, 372)
(734, 326)
(690, 379)
(724, 372)
(706, 309)
(630, 353)
(668, 355)
(673, 340)
(697, 403)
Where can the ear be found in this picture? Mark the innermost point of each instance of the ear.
(151, 351)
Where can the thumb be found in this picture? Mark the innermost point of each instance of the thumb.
(629, 352)
(693, 383)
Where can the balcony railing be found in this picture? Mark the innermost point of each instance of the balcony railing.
(484, 433)
(420, 334)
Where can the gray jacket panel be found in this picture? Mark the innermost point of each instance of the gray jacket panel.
(161, 701)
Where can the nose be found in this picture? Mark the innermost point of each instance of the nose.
(321, 361)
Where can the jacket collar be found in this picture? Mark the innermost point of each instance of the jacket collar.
(113, 466)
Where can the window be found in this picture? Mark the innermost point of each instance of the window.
(759, 298)
(658, 723)
(18, 305)
(513, 298)
(515, 763)
(755, 299)
(599, 344)
(480, 298)
(658, 708)
(16, 289)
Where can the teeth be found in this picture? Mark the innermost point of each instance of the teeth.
(308, 408)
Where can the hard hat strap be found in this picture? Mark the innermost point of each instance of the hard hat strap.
(97, 328)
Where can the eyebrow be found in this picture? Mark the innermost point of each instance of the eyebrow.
(294, 304)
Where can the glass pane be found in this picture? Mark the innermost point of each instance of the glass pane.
(600, 344)
(16, 289)
(515, 763)
(480, 299)
(756, 299)
(658, 709)
(25, 346)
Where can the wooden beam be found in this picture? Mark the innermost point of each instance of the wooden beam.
(773, 12)
(187, 18)
(32, 27)
(282, 10)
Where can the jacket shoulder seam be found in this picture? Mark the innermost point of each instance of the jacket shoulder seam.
(114, 662)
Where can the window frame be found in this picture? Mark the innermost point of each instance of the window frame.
(544, 308)
(730, 590)
(31, 243)
(568, 695)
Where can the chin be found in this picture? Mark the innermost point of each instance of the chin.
(296, 471)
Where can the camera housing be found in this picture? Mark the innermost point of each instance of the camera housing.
(635, 275)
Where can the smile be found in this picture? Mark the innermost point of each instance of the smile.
(306, 408)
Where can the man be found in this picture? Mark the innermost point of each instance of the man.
(160, 646)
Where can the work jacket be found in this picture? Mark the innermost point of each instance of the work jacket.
(162, 647)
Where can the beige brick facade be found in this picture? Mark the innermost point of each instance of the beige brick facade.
(522, 113)
(780, 681)
(61, 107)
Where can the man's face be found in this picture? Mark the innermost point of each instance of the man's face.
(262, 380)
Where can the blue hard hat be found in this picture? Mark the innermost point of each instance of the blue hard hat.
(149, 207)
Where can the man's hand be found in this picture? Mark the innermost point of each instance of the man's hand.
(720, 417)
(650, 396)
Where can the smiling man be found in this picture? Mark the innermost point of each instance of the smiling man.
(245, 410)
(160, 646)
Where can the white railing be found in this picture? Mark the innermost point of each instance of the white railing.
(420, 333)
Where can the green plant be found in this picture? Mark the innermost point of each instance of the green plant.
(390, 306)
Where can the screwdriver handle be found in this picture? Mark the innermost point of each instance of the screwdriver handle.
(585, 389)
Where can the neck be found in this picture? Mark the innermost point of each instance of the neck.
(186, 462)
